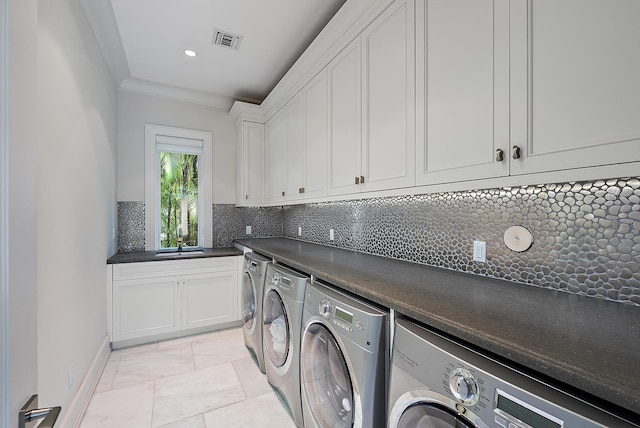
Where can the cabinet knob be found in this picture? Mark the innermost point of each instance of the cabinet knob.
(301, 190)
(362, 179)
(246, 196)
(499, 155)
(357, 180)
(282, 193)
(516, 152)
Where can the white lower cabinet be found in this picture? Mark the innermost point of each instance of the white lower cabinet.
(163, 299)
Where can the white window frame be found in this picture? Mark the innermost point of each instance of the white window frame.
(152, 182)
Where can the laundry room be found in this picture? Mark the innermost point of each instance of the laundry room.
(332, 213)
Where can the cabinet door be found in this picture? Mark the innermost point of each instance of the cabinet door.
(144, 307)
(345, 119)
(388, 156)
(209, 299)
(294, 112)
(463, 89)
(251, 162)
(316, 128)
(276, 155)
(575, 83)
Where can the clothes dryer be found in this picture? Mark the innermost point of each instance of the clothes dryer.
(282, 323)
(251, 296)
(436, 382)
(344, 360)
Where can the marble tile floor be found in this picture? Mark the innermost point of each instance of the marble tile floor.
(201, 381)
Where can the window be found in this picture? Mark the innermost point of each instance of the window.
(177, 187)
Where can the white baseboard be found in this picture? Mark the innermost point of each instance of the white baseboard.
(72, 416)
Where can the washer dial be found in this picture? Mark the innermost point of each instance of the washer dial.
(464, 386)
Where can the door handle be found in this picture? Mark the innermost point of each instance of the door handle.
(30, 413)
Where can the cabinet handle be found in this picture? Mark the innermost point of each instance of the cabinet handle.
(246, 196)
(499, 155)
(357, 180)
(516, 152)
(301, 190)
(282, 193)
(362, 179)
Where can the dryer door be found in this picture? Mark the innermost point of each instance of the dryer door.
(248, 297)
(326, 382)
(275, 328)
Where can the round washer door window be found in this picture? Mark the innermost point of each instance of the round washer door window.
(275, 329)
(248, 296)
(325, 378)
(423, 415)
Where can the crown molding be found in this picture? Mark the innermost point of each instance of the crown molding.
(176, 93)
(247, 111)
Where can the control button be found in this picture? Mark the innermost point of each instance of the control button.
(464, 386)
(502, 421)
(325, 308)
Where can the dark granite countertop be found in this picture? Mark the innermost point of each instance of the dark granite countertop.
(152, 256)
(582, 343)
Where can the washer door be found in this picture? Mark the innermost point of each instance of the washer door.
(248, 297)
(275, 329)
(429, 415)
(325, 378)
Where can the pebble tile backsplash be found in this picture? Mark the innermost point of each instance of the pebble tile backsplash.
(586, 236)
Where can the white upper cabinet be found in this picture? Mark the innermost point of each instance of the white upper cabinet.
(316, 133)
(575, 91)
(389, 99)
(294, 116)
(276, 157)
(462, 64)
(345, 120)
(372, 106)
(509, 87)
(250, 163)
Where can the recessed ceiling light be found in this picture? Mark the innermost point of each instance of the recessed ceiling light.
(189, 52)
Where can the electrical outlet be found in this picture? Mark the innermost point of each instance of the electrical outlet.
(479, 251)
(248, 230)
(331, 235)
(70, 379)
(299, 230)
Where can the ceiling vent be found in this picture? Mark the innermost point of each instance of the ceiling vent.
(226, 39)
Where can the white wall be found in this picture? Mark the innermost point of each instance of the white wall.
(77, 101)
(134, 110)
(18, 207)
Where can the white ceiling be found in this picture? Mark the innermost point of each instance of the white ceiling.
(150, 37)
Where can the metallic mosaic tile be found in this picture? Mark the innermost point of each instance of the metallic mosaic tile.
(229, 223)
(586, 235)
(130, 227)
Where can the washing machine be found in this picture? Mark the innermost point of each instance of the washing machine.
(282, 323)
(251, 296)
(344, 360)
(436, 382)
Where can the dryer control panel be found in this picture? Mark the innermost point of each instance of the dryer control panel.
(347, 316)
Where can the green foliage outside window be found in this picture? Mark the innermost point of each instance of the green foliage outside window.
(178, 199)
